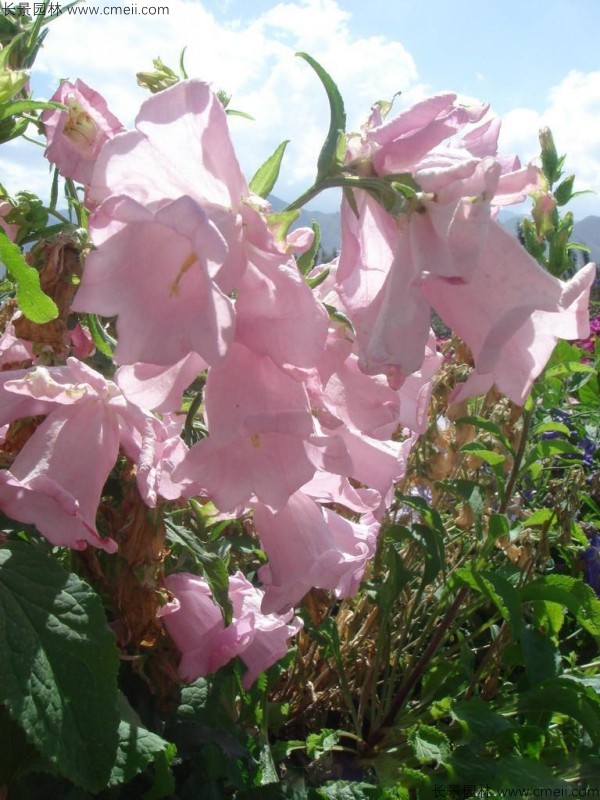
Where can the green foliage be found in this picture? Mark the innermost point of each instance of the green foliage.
(34, 304)
(59, 665)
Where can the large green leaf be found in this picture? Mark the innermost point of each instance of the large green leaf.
(36, 305)
(58, 663)
(565, 696)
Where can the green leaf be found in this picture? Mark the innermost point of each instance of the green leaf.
(429, 744)
(540, 516)
(564, 696)
(564, 191)
(137, 748)
(103, 341)
(17, 755)
(540, 656)
(477, 450)
(327, 161)
(20, 106)
(334, 314)
(490, 427)
(34, 304)
(553, 427)
(265, 177)
(322, 742)
(509, 772)
(317, 280)
(280, 223)
(344, 790)
(570, 368)
(212, 566)
(479, 722)
(306, 261)
(497, 589)
(58, 662)
(572, 593)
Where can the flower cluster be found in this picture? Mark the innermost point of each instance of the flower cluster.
(310, 420)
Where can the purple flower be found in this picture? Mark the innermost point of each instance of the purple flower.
(591, 558)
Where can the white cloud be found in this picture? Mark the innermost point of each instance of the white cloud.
(573, 114)
(254, 61)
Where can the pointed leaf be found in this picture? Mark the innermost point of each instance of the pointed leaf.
(265, 177)
(337, 125)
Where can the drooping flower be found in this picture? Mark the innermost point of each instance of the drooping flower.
(157, 271)
(195, 624)
(56, 480)
(446, 251)
(311, 546)
(76, 136)
(262, 438)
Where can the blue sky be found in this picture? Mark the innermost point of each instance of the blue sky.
(535, 62)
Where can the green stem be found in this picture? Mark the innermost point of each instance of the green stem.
(510, 486)
(419, 668)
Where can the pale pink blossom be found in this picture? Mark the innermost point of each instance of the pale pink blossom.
(262, 438)
(276, 312)
(76, 136)
(311, 546)
(82, 342)
(511, 314)
(56, 480)
(181, 147)
(157, 272)
(195, 624)
(157, 387)
(445, 252)
(12, 349)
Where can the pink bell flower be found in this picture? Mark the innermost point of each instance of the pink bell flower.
(196, 626)
(76, 136)
(262, 439)
(56, 480)
(311, 546)
(157, 271)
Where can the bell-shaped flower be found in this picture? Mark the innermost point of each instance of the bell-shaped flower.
(76, 136)
(56, 479)
(181, 147)
(511, 314)
(379, 285)
(262, 438)
(400, 143)
(310, 546)
(276, 312)
(157, 387)
(156, 271)
(195, 624)
(377, 464)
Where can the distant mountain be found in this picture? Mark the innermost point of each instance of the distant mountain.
(587, 232)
